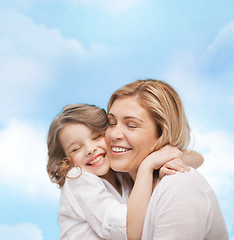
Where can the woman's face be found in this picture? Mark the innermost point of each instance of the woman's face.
(131, 135)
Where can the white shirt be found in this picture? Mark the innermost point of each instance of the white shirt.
(91, 208)
(184, 207)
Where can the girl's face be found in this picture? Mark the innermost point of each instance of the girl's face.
(131, 135)
(86, 149)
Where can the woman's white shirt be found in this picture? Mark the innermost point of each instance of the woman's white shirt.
(91, 208)
(184, 207)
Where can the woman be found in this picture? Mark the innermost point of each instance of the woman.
(143, 117)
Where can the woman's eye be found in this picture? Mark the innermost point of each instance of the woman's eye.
(111, 122)
(132, 125)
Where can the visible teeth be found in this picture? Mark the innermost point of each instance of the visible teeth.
(99, 158)
(120, 149)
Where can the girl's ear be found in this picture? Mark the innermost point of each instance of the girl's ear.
(67, 161)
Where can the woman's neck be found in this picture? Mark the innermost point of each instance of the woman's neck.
(133, 174)
(112, 179)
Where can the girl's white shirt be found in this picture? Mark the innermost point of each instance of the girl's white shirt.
(91, 208)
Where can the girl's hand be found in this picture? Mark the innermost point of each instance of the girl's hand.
(161, 157)
(173, 166)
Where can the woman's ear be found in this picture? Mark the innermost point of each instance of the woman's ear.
(155, 147)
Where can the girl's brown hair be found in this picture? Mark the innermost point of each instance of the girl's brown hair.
(93, 117)
(165, 108)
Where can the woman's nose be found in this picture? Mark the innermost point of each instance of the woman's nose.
(116, 132)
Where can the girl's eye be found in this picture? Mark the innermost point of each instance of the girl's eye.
(98, 136)
(76, 149)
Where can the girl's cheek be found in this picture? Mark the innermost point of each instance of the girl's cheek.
(107, 136)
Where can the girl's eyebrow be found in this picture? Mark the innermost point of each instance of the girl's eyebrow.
(70, 144)
(110, 114)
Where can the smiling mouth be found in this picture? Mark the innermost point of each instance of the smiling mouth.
(120, 149)
(97, 161)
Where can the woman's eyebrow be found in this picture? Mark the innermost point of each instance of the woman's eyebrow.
(126, 117)
(132, 117)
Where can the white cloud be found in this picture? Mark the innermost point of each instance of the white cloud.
(184, 78)
(206, 76)
(223, 41)
(218, 149)
(219, 55)
(22, 4)
(22, 231)
(205, 80)
(24, 158)
(33, 57)
(218, 168)
(24, 41)
(108, 5)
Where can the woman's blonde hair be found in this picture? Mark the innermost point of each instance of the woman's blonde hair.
(165, 107)
(93, 117)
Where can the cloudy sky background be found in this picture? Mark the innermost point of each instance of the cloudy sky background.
(57, 52)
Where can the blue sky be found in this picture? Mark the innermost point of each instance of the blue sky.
(57, 52)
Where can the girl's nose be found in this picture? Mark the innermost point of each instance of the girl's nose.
(90, 149)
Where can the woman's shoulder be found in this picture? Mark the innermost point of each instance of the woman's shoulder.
(187, 181)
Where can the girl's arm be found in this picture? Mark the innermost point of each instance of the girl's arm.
(142, 190)
(189, 158)
(192, 158)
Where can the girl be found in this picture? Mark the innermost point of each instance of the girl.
(94, 199)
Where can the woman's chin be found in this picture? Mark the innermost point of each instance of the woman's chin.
(119, 167)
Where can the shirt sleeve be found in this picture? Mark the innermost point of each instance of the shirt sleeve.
(105, 214)
(180, 208)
